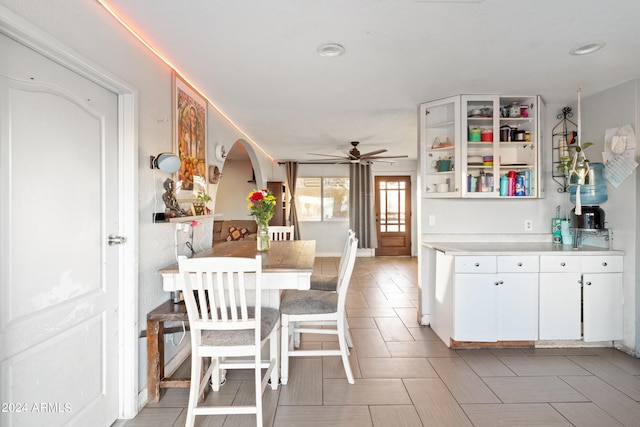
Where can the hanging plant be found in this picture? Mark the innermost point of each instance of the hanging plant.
(575, 164)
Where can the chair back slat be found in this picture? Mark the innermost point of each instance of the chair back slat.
(215, 291)
(281, 232)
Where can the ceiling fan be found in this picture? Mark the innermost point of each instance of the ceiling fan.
(354, 156)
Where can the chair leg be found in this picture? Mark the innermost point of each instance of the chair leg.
(194, 389)
(284, 352)
(258, 383)
(215, 375)
(344, 351)
(295, 342)
(274, 347)
(347, 333)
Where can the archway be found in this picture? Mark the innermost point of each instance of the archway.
(241, 173)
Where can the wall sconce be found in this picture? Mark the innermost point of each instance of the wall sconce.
(214, 174)
(166, 162)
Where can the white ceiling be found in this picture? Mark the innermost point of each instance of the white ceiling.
(257, 61)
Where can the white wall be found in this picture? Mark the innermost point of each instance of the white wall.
(611, 108)
(96, 36)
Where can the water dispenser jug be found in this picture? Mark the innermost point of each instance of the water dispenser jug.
(594, 190)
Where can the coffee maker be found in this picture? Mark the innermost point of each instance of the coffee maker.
(588, 218)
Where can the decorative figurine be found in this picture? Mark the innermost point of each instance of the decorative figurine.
(169, 199)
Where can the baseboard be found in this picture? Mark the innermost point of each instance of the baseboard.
(491, 344)
(424, 319)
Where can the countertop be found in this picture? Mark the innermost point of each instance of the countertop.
(516, 248)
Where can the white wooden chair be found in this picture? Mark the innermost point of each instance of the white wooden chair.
(328, 282)
(301, 310)
(281, 232)
(224, 328)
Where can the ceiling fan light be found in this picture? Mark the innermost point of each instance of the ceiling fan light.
(330, 50)
(587, 48)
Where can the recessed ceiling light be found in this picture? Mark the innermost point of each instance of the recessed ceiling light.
(330, 50)
(587, 48)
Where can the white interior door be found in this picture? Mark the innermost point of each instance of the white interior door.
(58, 276)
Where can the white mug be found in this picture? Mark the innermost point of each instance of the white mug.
(431, 188)
(443, 188)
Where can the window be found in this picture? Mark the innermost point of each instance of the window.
(322, 199)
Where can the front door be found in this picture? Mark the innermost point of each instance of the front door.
(393, 215)
(58, 276)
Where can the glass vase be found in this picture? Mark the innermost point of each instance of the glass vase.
(262, 239)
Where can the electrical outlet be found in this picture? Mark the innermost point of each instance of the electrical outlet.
(528, 225)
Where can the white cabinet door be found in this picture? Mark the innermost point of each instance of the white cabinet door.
(517, 306)
(560, 306)
(496, 307)
(476, 307)
(440, 141)
(602, 306)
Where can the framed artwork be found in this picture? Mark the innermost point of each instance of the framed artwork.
(190, 134)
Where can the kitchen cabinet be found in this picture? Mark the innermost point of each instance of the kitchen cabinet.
(440, 140)
(495, 298)
(486, 137)
(602, 298)
(581, 297)
(560, 295)
(522, 291)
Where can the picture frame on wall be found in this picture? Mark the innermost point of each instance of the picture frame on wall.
(190, 136)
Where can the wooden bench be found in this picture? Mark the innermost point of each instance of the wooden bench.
(156, 380)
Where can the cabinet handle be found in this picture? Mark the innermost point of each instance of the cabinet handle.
(562, 264)
(499, 283)
(519, 264)
(588, 283)
(604, 264)
(477, 264)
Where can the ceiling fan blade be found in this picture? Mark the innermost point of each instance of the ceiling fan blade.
(372, 153)
(327, 155)
(386, 157)
(380, 161)
(326, 161)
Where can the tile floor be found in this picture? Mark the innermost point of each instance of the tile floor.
(406, 376)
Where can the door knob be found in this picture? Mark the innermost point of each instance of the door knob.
(115, 240)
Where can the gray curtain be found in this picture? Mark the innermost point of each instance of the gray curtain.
(361, 205)
(292, 175)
